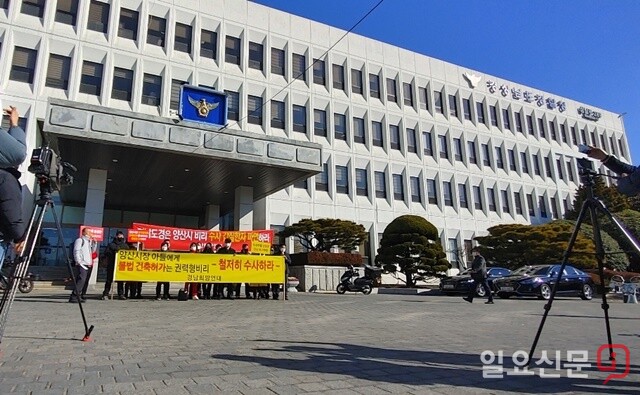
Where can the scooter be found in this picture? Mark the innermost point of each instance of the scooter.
(25, 286)
(352, 282)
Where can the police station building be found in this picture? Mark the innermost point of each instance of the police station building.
(365, 132)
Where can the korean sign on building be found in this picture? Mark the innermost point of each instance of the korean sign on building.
(527, 96)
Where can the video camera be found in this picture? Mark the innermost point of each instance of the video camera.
(49, 169)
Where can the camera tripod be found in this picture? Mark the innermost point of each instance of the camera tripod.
(592, 205)
(22, 261)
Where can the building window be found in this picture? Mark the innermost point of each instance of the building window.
(559, 166)
(525, 162)
(480, 111)
(377, 133)
(6, 123)
(457, 149)
(394, 134)
(570, 172)
(462, 195)
(122, 84)
(432, 193)
(33, 7)
(565, 204)
(543, 133)
(612, 145)
(174, 100)
(342, 179)
(407, 92)
(156, 31)
(512, 159)
(505, 119)
(380, 184)
(398, 187)
(128, 26)
(532, 210)
(208, 44)
(362, 185)
(299, 67)
(452, 252)
(358, 130)
(91, 79)
(499, 162)
(98, 16)
(340, 126)
(299, 119)
(152, 90)
(491, 194)
(424, 100)
(453, 106)
(322, 179)
(428, 144)
(392, 94)
(583, 134)
(506, 207)
(414, 183)
(338, 77)
(23, 65)
(374, 85)
(232, 50)
(547, 166)
(356, 81)
(256, 55)
(183, 35)
(254, 109)
(466, 108)
(543, 207)
(536, 165)
(518, 202)
(67, 11)
(320, 122)
(233, 105)
(552, 130)
(411, 141)
(277, 114)
(468, 245)
(493, 113)
(437, 101)
(444, 147)
(530, 125)
(471, 152)
(574, 136)
(486, 156)
(448, 193)
(477, 196)
(58, 72)
(518, 118)
(277, 61)
(302, 184)
(318, 72)
(554, 208)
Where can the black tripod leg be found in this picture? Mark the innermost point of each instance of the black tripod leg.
(87, 329)
(565, 259)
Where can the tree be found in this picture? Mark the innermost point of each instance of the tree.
(410, 245)
(513, 246)
(615, 258)
(631, 221)
(322, 234)
(614, 200)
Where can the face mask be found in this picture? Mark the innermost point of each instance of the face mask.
(228, 245)
(164, 248)
(283, 249)
(120, 238)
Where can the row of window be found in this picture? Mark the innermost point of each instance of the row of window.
(443, 195)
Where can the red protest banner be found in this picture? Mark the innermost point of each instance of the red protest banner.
(97, 233)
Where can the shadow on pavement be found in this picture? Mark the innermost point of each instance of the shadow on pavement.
(417, 368)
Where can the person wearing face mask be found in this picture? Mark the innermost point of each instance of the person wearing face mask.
(226, 249)
(110, 253)
(206, 287)
(164, 247)
(275, 288)
(192, 288)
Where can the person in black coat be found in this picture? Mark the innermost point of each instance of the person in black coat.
(275, 288)
(206, 287)
(479, 276)
(110, 253)
(227, 249)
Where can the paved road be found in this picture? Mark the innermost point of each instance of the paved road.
(314, 343)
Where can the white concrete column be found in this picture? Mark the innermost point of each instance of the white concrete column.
(94, 207)
(243, 209)
(212, 217)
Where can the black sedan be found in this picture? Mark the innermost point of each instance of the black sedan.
(460, 284)
(539, 280)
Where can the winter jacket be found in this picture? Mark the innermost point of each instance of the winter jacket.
(13, 148)
(82, 252)
(629, 185)
(12, 227)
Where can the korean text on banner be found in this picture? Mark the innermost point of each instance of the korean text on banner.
(198, 268)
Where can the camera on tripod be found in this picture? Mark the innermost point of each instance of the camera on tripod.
(49, 168)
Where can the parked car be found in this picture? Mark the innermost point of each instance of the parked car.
(539, 280)
(460, 284)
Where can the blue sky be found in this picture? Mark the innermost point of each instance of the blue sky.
(585, 50)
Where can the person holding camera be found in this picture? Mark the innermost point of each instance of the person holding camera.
(13, 151)
(629, 184)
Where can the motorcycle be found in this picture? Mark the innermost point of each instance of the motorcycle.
(352, 282)
(25, 286)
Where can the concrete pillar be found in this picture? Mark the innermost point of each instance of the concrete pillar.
(212, 217)
(243, 209)
(94, 207)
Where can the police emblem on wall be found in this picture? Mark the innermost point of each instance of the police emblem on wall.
(203, 105)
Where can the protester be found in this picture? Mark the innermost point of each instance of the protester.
(13, 151)
(629, 184)
(227, 249)
(248, 289)
(164, 247)
(83, 249)
(110, 253)
(479, 276)
(206, 288)
(135, 287)
(275, 288)
(192, 288)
